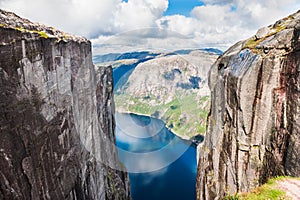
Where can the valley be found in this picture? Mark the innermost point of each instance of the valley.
(169, 86)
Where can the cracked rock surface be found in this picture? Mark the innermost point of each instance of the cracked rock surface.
(254, 121)
(56, 117)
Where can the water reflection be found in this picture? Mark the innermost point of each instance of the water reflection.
(160, 164)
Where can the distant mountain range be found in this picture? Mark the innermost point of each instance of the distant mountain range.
(123, 56)
(170, 86)
(110, 57)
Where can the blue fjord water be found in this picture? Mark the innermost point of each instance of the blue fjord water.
(161, 165)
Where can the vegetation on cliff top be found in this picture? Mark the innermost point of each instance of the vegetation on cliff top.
(269, 191)
(10, 20)
(253, 42)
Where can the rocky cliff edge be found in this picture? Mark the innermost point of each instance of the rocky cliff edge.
(254, 121)
(56, 117)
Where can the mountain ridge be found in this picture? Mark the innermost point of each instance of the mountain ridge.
(171, 87)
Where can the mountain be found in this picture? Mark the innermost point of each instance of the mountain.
(188, 51)
(106, 58)
(139, 55)
(98, 59)
(253, 124)
(172, 87)
(57, 124)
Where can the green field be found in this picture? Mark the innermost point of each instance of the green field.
(268, 191)
(185, 114)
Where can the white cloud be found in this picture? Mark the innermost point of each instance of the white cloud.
(155, 39)
(136, 14)
(222, 23)
(90, 18)
(184, 25)
(75, 16)
(218, 23)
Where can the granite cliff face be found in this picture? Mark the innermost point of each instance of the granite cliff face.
(57, 126)
(254, 121)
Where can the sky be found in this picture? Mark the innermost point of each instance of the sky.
(132, 25)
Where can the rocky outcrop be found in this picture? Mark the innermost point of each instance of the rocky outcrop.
(172, 88)
(56, 117)
(162, 77)
(253, 125)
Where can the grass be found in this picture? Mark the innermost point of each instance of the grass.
(264, 192)
(267, 191)
(253, 42)
(41, 33)
(185, 115)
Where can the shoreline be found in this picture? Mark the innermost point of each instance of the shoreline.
(185, 138)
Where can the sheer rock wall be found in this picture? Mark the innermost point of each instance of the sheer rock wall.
(254, 121)
(56, 117)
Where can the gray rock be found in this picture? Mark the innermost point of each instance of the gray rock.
(262, 32)
(253, 126)
(282, 40)
(57, 124)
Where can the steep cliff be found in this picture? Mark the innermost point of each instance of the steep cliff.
(56, 117)
(254, 121)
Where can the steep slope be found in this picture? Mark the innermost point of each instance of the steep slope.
(56, 117)
(253, 125)
(170, 87)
